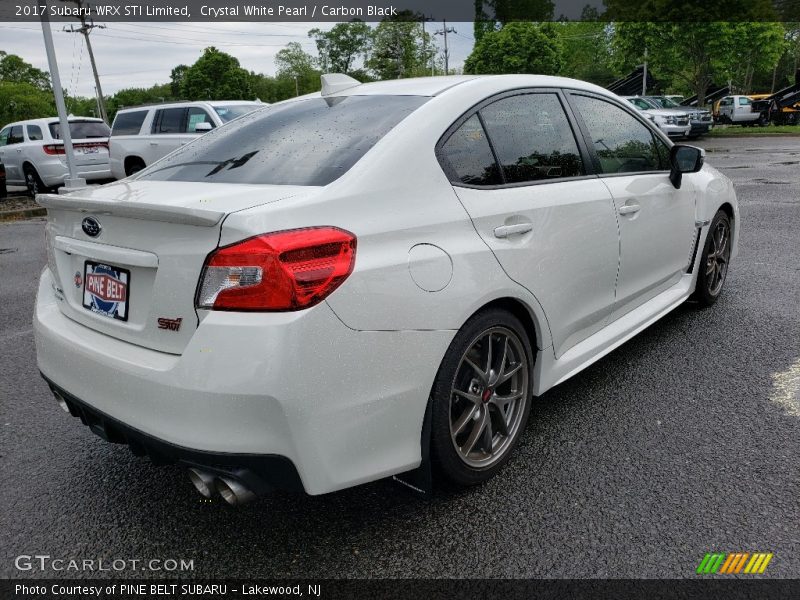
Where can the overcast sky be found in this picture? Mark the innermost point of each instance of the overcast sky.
(142, 54)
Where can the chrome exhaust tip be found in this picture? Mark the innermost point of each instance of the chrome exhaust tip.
(203, 482)
(61, 402)
(233, 492)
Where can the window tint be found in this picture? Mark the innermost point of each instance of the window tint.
(128, 123)
(304, 142)
(532, 138)
(622, 143)
(469, 156)
(169, 120)
(34, 133)
(15, 136)
(197, 115)
(81, 130)
(4, 136)
(230, 112)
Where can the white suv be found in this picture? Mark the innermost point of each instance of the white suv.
(143, 135)
(33, 152)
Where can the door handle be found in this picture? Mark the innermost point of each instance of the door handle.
(505, 231)
(629, 209)
(154, 143)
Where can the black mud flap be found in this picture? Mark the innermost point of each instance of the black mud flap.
(420, 480)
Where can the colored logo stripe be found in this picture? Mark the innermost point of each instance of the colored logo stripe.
(734, 562)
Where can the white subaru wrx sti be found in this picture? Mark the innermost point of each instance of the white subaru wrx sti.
(371, 280)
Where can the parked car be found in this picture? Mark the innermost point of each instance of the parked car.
(737, 110)
(373, 279)
(142, 135)
(3, 188)
(675, 123)
(676, 98)
(33, 152)
(701, 120)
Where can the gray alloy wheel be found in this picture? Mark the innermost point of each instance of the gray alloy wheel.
(32, 182)
(719, 253)
(488, 397)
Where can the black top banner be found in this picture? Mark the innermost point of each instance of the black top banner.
(378, 10)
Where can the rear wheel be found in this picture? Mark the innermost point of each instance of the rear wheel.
(33, 182)
(133, 165)
(481, 398)
(714, 261)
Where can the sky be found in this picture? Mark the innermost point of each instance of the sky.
(143, 54)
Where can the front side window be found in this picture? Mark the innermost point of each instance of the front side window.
(34, 133)
(622, 143)
(169, 120)
(532, 138)
(469, 156)
(195, 116)
(305, 142)
(233, 111)
(4, 136)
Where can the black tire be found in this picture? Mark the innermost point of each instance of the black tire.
(133, 166)
(513, 357)
(713, 266)
(33, 182)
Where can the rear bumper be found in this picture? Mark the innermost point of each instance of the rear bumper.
(260, 473)
(55, 172)
(343, 406)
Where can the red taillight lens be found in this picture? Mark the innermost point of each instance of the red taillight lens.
(282, 271)
(53, 149)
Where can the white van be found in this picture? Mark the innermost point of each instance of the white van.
(142, 135)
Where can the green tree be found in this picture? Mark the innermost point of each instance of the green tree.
(296, 71)
(491, 15)
(587, 50)
(754, 48)
(216, 76)
(21, 100)
(14, 69)
(177, 77)
(519, 47)
(339, 47)
(400, 48)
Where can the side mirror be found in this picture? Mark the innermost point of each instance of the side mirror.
(202, 127)
(684, 159)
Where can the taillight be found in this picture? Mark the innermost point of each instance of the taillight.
(53, 149)
(281, 271)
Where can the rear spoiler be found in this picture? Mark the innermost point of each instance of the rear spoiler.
(147, 212)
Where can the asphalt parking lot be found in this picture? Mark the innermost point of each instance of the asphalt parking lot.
(684, 441)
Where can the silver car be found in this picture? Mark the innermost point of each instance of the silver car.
(33, 152)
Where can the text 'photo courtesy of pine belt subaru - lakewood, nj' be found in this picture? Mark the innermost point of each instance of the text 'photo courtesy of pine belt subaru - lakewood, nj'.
(372, 280)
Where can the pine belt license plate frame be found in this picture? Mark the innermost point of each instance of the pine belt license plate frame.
(113, 305)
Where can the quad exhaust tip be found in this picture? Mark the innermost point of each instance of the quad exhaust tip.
(61, 402)
(232, 491)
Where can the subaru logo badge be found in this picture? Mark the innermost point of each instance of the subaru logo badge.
(91, 226)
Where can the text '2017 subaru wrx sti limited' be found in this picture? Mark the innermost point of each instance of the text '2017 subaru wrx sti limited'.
(351, 284)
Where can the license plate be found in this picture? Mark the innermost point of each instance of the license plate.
(87, 150)
(106, 289)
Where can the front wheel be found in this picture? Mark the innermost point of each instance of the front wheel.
(481, 398)
(714, 261)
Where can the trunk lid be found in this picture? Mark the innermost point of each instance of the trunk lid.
(136, 279)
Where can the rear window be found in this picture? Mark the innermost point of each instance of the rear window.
(81, 130)
(306, 142)
(128, 123)
(228, 113)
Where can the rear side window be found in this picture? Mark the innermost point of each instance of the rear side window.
(169, 120)
(128, 123)
(305, 142)
(34, 133)
(232, 111)
(81, 130)
(744, 101)
(468, 155)
(622, 143)
(532, 138)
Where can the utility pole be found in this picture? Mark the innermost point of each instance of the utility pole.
(644, 74)
(72, 182)
(444, 31)
(86, 28)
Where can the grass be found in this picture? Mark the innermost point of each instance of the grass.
(738, 130)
